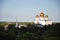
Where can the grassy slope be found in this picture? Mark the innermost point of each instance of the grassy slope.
(52, 33)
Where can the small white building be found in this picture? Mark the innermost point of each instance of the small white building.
(22, 25)
(6, 27)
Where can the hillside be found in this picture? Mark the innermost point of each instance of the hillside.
(50, 32)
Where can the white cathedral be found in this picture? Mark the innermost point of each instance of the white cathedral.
(42, 19)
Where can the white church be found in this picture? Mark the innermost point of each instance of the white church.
(42, 19)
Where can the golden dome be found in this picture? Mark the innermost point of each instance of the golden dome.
(41, 14)
(37, 16)
(46, 16)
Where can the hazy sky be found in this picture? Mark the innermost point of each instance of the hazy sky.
(25, 10)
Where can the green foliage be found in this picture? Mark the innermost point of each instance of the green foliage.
(50, 32)
(53, 33)
(29, 36)
(51, 38)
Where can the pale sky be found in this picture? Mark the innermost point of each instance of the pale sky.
(25, 10)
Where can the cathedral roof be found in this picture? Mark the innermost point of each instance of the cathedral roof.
(42, 13)
(46, 16)
(37, 16)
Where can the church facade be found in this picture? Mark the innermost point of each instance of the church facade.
(42, 19)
